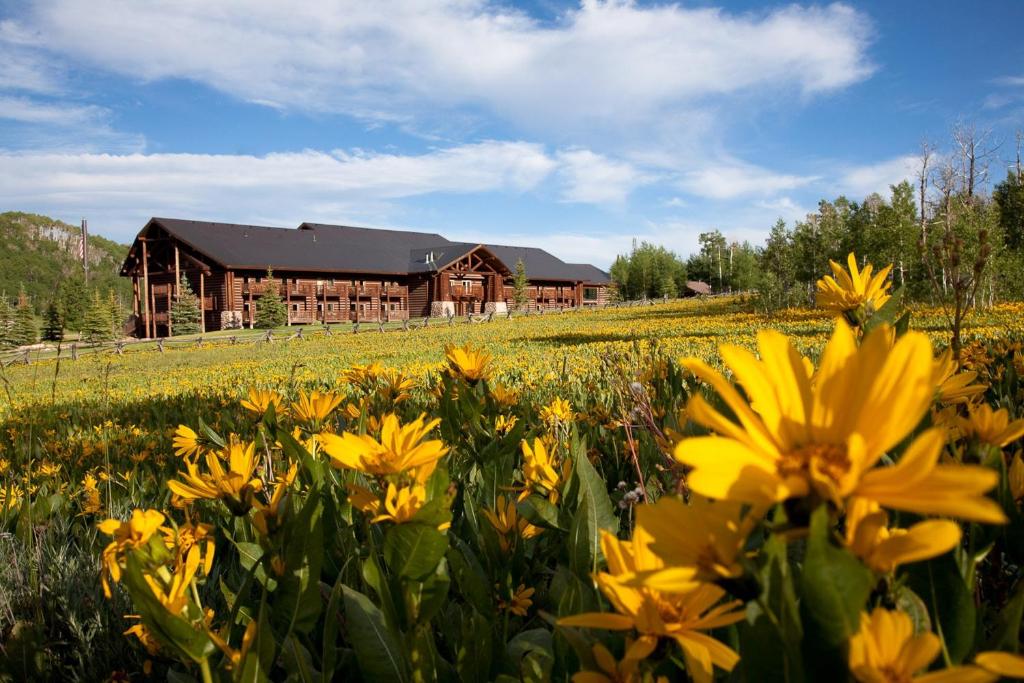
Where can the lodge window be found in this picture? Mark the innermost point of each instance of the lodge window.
(330, 307)
(295, 307)
(590, 292)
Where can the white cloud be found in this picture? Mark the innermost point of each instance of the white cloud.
(606, 62)
(735, 179)
(34, 111)
(595, 179)
(860, 181)
(122, 190)
(784, 208)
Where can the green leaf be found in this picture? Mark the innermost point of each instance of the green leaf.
(377, 651)
(413, 550)
(296, 600)
(1006, 635)
(259, 660)
(834, 588)
(469, 576)
(171, 630)
(770, 642)
(951, 605)
(330, 634)
(593, 513)
(539, 511)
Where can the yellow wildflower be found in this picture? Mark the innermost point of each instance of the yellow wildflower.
(314, 407)
(883, 548)
(266, 514)
(520, 602)
(954, 387)
(258, 400)
(824, 438)
(989, 426)
(402, 504)
(401, 448)
(235, 486)
(126, 536)
(885, 650)
(503, 395)
(540, 470)
(559, 411)
(503, 424)
(625, 671)
(506, 521)
(469, 363)
(699, 542)
(186, 442)
(855, 292)
(653, 614)
(91, 504)
(1006, 664)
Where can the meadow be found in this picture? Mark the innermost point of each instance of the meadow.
(537, 498)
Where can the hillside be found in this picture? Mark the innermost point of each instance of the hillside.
(41, 253)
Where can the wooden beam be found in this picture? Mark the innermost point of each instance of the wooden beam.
(170, 333)
(202, 302)
(177, 275)
(147, 313)
(152, 309)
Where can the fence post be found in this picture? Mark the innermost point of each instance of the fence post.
(298, 335)
(74, 351)
(426, 321)
(199, 343)
(119, 348)
(405, 325)
(355, 327)
(160, 344)
(234, 339)
(269, 337)
(27, 362)
(380, 327)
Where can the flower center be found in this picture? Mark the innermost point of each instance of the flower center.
(824, 464)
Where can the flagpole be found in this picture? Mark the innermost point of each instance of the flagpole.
(84, 250)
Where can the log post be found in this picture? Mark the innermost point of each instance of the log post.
(169, 332)
(202, 303)
(177, 274)
(147, 311)
(152, 307)
(252, 310)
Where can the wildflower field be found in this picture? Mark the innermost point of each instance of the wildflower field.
(681, 491)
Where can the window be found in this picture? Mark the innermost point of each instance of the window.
(590, 293)
(330, 307)
(295, 307)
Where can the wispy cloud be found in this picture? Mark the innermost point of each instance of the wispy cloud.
(858, 182)
(736, 179)
(595, 179)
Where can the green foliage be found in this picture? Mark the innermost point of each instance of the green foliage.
(40, 253)
(97, 326)
(185, 312)
(24, 329)
(270, 309)
(648, 271)
(73, 302)
(520, 282)
(53, 323)
(7, 339)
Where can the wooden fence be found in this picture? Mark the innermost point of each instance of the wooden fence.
(119, 347)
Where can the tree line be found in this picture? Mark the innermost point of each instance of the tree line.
(953, 238)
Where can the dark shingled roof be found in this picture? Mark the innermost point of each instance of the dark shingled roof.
(343, 248)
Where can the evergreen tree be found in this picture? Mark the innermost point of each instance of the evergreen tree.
(53, 325)
(270, 309)
(24, 330)
(185, 313)
(117, 314)
(73, 303)
(97, 326)
(6, 322)
(519, 284)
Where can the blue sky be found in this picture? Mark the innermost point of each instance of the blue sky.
(574, 126)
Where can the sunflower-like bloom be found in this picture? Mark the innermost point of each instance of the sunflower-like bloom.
(699, 542)
(401, 504)
(954, 387)
(91, 504)
(1001, 663)
(542, 471)
(363, 376)
(559, 411)
(625, 671)
(266, 517)
(128, 535)
(653, 614)
(313, 408)
(856, 294)
(258, 400)
(506, 521)
(235, 485)
(395, 386)
(504, 395)
(823, 438)
(186, 442)
(882, 548)
(401, 448)
(885, 650)
(467, 362)
(992, 427)
(503, 424)
(520, 601)
(173, 594)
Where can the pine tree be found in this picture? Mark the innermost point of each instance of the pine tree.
(24, 330)
(117, 314)
(6, 322)
(185, 313)
(97, 326)
(73, 303)
(519, 284)
(53, 325)
(270, 309)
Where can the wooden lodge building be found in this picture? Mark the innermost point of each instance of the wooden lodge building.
(336, 273)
